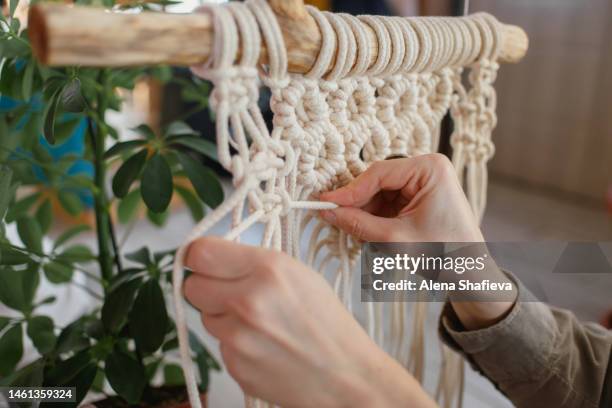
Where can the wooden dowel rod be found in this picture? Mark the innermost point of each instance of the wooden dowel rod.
(88, 36)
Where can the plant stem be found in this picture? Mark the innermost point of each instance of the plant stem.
(113, 237)
(128, 232)
(57, 260)
(87, 290)
(97, 135)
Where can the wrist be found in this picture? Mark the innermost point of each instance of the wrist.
(486, 309)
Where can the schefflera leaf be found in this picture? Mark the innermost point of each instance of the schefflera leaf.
(156, 184)
(11, 349)
(126, 375)
(148, 318)
(203, 179)
(41, 332)
(128, 173)
(118, 304)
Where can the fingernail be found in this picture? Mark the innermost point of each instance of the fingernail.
(328, 215)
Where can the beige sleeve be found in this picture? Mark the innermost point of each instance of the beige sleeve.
(538, 356)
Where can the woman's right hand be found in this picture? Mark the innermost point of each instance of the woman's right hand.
(417, 200)
(405, 200)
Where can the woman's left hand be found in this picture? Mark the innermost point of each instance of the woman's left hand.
(285, 337)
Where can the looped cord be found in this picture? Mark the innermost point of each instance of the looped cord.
(363, 47)
(345, 47)
(328, 45)
(384, 44)
(249, 34)
(398, 46)
(411, 44)
(430, 30)
(425, 45)
(275, 44)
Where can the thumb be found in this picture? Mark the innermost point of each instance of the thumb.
(361, 224)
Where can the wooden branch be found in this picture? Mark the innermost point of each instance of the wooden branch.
(87, 36)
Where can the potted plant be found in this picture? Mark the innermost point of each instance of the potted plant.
(59, 155)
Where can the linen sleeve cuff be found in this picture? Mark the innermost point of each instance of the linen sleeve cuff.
(529, 329)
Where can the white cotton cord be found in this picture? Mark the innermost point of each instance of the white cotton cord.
(411, 44)
(221, 64)
(425, 45)
(417, 343)
(379, 319)
(244, 225)
(397, 327)
(177, 284)
(431, 34)
(398, 47)
(496, 34)
(384, 44)
(466, 44)
(344, 271)
(449, 38)
(223, 56)
(476, 40)
(486, 35)
(223, 52)
(312, 205)
(450, 44)
(351, 57)
(345, 47)
(363, 48)
(249, 34)
(462, 46)
(328, 44)
(273, 38)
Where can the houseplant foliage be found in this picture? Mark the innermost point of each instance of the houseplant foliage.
(125, 341)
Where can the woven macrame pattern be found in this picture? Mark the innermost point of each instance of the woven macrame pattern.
(329, 125)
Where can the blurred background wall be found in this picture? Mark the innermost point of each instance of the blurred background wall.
(555, 107)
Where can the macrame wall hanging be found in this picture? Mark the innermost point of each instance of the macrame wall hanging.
(330, 124)
(378, 88)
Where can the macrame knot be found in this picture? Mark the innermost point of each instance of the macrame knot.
(484, 150)
(281, 155)
(271, 202)
(264, 165)
(235, 86)
(275, 83)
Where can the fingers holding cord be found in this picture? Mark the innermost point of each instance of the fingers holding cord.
(408, 175)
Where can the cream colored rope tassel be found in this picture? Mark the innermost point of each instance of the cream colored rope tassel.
(329, 126)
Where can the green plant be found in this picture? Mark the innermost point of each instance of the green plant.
(126, 339)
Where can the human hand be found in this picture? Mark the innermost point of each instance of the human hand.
(405, 200)
(417, 200)
(285, 337)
